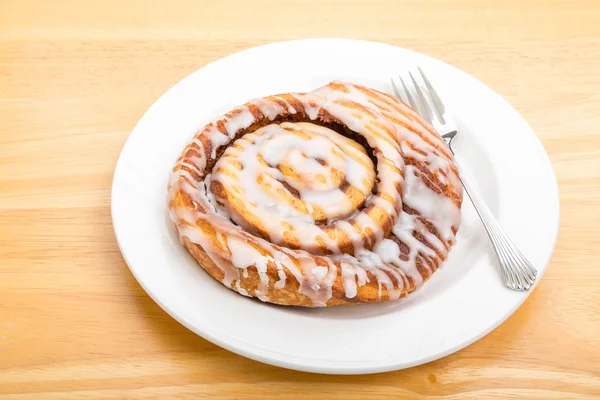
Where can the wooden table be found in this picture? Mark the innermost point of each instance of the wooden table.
(75, 76)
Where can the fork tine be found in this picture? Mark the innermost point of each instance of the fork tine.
(438, 108)
(428, 113)
(400, 93)
(411, 101)
(396, 91)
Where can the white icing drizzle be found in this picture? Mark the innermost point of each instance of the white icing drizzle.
(243, 256)
(296, 147)
(241, 121)
(269, 109)
(312, 159)
(317, 282)
(217, 139)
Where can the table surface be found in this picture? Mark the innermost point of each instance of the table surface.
(75, 76)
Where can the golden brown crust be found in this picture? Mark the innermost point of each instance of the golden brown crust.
(290, 272)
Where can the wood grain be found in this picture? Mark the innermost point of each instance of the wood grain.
(75, 76)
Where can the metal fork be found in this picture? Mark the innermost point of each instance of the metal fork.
(517, 271)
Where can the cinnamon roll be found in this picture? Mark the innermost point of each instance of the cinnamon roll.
(338, 196)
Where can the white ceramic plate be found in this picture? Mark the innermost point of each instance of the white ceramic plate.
(461, 303)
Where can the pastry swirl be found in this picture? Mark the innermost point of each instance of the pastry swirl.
(341, 195)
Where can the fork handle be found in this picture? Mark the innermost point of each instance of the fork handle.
(517, 271)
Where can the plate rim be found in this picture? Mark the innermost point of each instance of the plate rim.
(340, 369)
